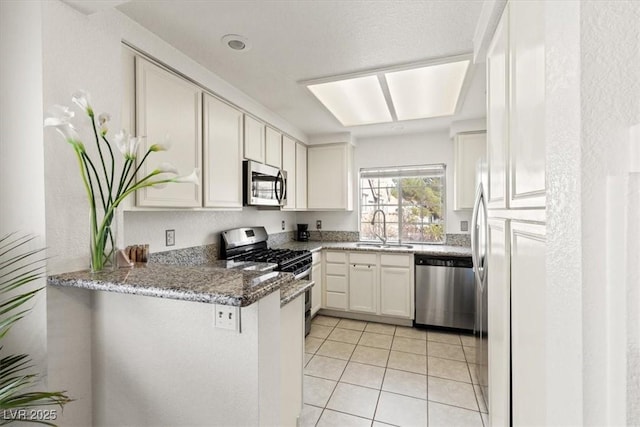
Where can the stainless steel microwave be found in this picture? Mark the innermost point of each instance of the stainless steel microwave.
(264, 185)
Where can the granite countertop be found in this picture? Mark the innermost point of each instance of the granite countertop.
(462, 251)
(208, 283)
(290, 290)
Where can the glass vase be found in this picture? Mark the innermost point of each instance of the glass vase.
(102, 244)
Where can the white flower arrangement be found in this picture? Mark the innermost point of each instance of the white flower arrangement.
(110, 191)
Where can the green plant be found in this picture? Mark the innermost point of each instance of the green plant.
(20, 266)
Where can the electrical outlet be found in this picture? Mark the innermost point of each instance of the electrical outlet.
(226, 317)
(464, 225)
(170, 237)
(319, 224)
(283, 225)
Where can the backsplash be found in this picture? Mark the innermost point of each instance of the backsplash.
(197, 255)
(334, 236)
(458, 239)
(280, 238)
(187, 256)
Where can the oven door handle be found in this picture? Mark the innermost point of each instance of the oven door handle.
(304, 274)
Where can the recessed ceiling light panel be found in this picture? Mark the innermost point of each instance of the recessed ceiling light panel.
(356, 101)
(236, 42)
(430, 91)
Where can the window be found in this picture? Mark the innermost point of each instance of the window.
(412, 199)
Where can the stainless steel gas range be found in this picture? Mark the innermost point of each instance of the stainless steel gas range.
(250, 244)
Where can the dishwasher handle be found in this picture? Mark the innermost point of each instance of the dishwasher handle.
(443, 261)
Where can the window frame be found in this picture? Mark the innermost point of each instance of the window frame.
(399, 175)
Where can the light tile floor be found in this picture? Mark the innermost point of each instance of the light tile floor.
(371, 374)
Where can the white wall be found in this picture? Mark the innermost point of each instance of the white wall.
(397, 150)
(21, 157)
(610, 105)
(198, 228)
(563, 321)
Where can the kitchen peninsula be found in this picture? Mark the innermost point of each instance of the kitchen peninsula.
(158, 358)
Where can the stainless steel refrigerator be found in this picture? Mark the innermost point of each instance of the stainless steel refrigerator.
(479, 251)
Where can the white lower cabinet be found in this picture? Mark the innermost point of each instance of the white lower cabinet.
(395, 291)
(316, 276)
(371, 283)
(335, 280)
(363, 288)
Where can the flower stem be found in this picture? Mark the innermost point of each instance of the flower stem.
(113, 167)
(137, 168)
(104, 167)
(88, 160)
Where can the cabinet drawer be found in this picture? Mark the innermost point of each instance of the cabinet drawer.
(337, 269)
(316, 257)
(336, 283)
(358, 258)
(336, 300)
(395, 260)
(336, 256)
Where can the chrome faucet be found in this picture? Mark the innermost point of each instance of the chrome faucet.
(384, 225)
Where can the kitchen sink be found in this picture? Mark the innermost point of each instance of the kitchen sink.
(383, 246)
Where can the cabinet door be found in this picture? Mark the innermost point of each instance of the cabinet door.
(527, 120)
(329, 179)
(223, 136)
(363, 294)
(497, 115)
(528, 324)
(469, 148)
(499, 321)
(316, 291)
(168, 106)
(273, 155)
(301, 176)
(254, 134)
(395, 291)
(289, 165)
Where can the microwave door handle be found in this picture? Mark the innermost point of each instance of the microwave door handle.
(278, 183)
(284, 188)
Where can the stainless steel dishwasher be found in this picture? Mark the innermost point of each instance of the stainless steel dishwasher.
(445, 291)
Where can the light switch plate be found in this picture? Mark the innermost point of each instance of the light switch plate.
(464, 225)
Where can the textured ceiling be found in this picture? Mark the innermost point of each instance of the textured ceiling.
(293, 41)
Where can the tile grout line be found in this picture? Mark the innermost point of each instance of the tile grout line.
(386, 367)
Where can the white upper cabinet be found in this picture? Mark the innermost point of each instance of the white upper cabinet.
(301, 176)
(330, 177)
(289, 165)
(168, 106)
(273, 155)
(223, 138)
(497, 115)
(254, 139)
(469, 148)
(527, 120)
